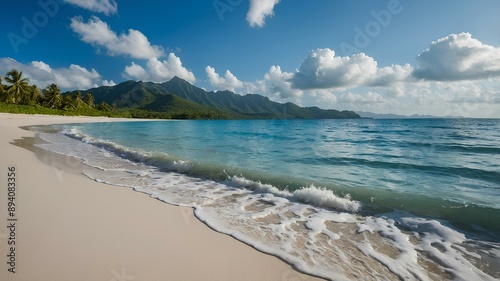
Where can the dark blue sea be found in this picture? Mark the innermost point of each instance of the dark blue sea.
(409, 199)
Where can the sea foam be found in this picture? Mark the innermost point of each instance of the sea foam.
(326, 198)
(314, 229)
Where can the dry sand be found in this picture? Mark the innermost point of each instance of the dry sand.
(71, 228)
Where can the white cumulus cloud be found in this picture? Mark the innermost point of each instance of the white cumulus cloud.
(77, 77)
(133, 44)
(458, 57)
(99, 34)
(159, 71)
(278, 83)
(108, 83)
(275, 84)
(106, 7)
(392, 75)
(42, 75)
(259, 11)
(167, 69)
(228, 82)
(136, 72)
(322, 69)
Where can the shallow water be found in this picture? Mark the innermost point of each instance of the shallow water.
(340, 199)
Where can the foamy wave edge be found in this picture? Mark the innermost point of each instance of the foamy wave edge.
(149, 158)
(312, 195)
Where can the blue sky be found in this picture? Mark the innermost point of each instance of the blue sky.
(398, 56)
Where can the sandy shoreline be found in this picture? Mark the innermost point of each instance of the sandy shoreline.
(71, 228)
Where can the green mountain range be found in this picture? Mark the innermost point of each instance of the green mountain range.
(179, 97)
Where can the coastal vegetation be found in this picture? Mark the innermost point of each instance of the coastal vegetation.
(18, 96)
(174, 99)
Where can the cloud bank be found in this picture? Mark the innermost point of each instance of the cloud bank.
(456, 76)
(458, 57)
(42, 75)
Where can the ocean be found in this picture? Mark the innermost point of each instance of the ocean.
(408, 199)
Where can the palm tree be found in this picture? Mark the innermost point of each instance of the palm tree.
(31, 98)
(52, 96)
(89, 100)
(104, 106)
(77, 100)
(2, 94)
(19, 86)
(68, 102)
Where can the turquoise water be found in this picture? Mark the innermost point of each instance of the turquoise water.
(444, 168)
(340, 199)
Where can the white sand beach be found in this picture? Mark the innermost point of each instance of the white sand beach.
(72, 228)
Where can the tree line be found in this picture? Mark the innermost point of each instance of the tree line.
(18, 91)
(18, 96)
